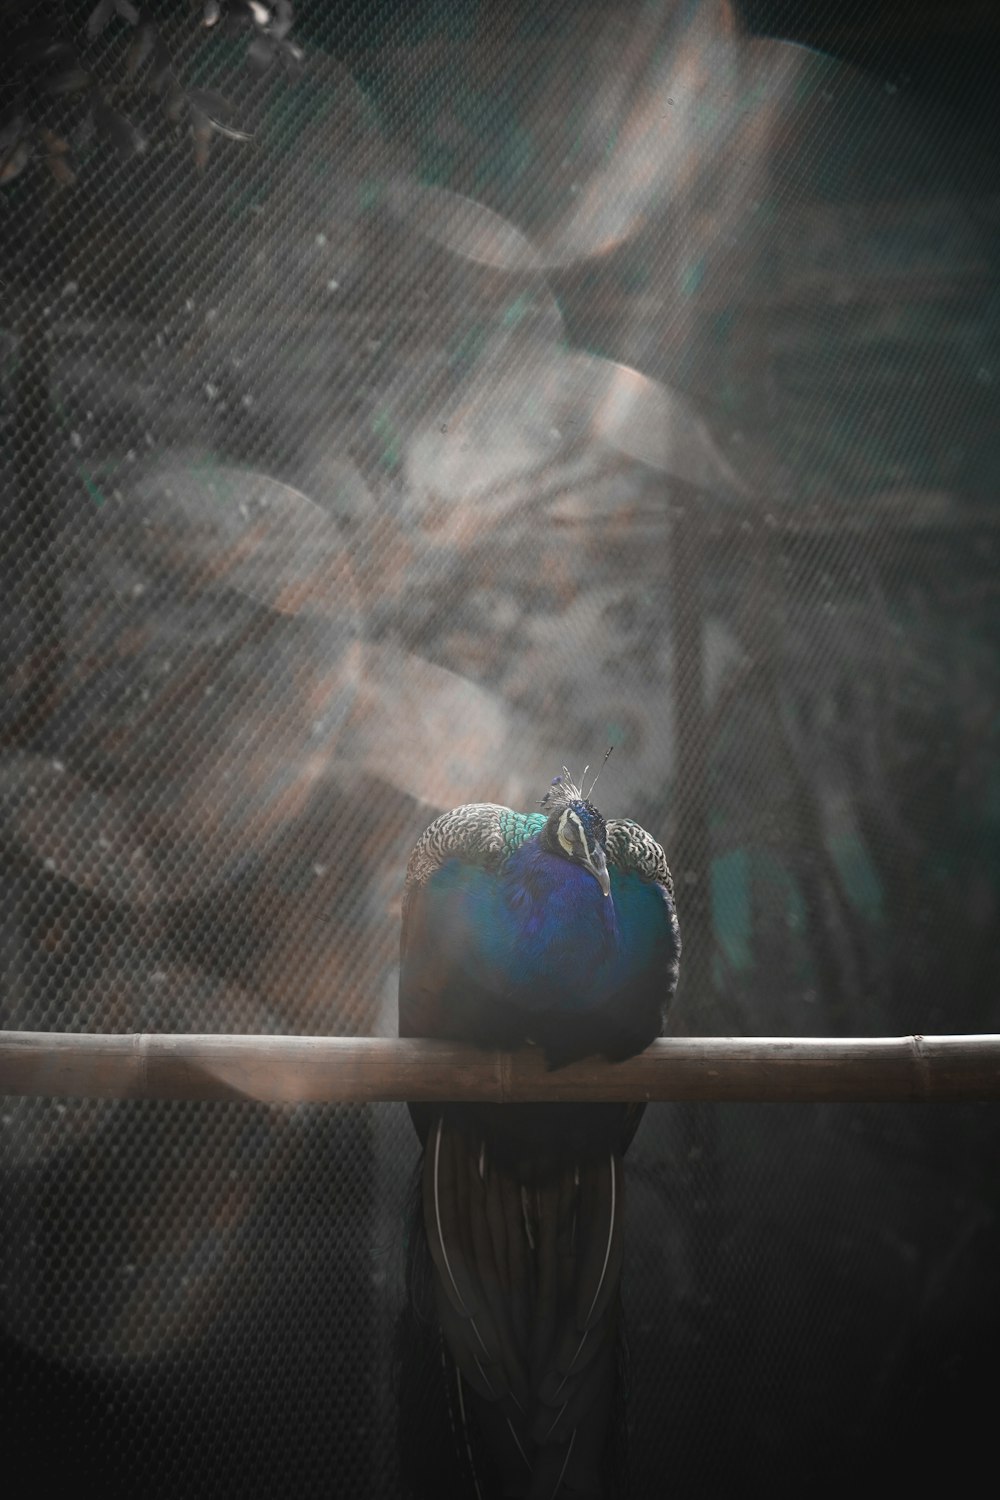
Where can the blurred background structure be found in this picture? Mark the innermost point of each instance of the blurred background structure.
(397, 401)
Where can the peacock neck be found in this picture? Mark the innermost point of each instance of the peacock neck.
(549, 895)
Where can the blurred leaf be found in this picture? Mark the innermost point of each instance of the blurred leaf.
(99, 17)
(175, 100)
(61, 171)
(261, 54)
(239, 528)
(56, 145)
(162, 76)
(652, 125)
(229, 131)
(140, 48)
(208, 106)
(42, 46)
(83, 131)
(15, 161)
(74, 831)
(212, 658)
(15, 148)
(211, 103)
(72, 80)
(201, 136)
(652, 423)
(528, 406)
(113, 126)
(101, 14)
(462, 225)
(432, 733)
(59, 168)
(11, 131)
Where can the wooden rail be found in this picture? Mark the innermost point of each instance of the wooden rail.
(299, 1069)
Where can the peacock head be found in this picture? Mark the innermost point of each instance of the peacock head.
(574, 829)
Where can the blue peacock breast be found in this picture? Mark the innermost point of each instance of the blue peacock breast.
(539, 936)
(556, 937)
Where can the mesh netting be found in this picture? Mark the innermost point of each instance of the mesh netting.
(398, 406)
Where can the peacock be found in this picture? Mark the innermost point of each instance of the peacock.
(559, 929)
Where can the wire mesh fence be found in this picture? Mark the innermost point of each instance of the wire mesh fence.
(395, 405)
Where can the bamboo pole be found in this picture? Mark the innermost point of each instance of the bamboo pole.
(301, 1069)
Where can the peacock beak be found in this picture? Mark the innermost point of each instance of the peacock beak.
(598, 867)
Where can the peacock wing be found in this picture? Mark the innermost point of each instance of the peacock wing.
(449, 888)
(643, 891)
(478, 833)
(634, 851)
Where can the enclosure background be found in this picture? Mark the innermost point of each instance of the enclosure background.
(392, 409)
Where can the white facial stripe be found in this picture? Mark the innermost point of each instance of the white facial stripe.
(571, 835)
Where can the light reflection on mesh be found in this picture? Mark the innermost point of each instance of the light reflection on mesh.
(517, 390)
